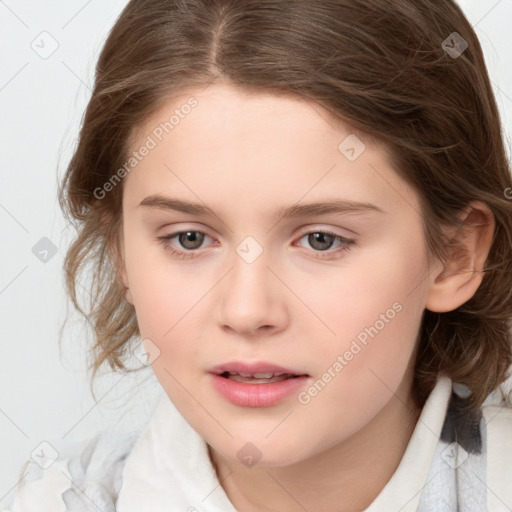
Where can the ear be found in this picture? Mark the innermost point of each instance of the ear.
(117, 253)
(456, 281)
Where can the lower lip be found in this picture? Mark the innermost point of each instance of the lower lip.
(257, 395)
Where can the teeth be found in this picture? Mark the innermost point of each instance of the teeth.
(257, 378)
(256, 375)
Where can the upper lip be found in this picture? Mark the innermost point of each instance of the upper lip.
(253, 368)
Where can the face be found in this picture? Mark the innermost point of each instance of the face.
(323, 304)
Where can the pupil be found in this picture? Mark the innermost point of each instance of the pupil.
(314, 237)
(190, 237)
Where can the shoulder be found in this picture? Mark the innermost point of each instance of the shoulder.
(82, 477)
(472, 429)
(497, 421)
(477, 445)
(498, 437)
(473, 456)
(39, 489)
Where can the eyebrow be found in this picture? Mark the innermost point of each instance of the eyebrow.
(297, 210)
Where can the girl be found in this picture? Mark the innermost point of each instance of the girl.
(303, 211)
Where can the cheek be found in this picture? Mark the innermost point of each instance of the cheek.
(163, 294)
(375, 321)
(374, 283)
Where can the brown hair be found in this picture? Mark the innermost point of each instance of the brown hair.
(381, 66)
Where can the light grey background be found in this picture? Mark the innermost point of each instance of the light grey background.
(42, 98)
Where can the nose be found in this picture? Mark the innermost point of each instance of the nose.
(252, 299)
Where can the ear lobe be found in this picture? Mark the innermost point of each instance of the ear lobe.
(128, 296)
(116, 252)
(121, 274)
(455, 282)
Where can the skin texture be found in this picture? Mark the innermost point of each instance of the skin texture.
(245, 155)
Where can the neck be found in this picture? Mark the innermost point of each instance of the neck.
(347, 477)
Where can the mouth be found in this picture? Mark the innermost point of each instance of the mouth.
(256, 384)
(258, 378)
(255, 372)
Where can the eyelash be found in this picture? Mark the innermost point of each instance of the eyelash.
(165, 241)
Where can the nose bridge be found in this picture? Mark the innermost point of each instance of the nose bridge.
(250, 275)
(250, 298)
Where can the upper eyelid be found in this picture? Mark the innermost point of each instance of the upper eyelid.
(302, 231)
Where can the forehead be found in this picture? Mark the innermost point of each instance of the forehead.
(224, 141)
(224, 107)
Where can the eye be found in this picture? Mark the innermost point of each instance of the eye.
(187, 239)
(320, 241)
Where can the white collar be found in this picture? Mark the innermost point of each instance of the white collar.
(403, 490)
(169, 467)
